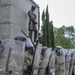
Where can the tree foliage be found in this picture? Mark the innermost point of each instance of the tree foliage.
(65, 36)
(51, 36)
(47, 30)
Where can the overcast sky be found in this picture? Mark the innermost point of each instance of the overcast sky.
(62, 12)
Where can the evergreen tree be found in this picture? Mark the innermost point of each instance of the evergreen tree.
(47, 26)
(52, 36)
(44, 39)
(47, 30)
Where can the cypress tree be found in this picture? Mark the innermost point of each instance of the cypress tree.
(44, 38)
(47, 30)
(47, 26)
(52, 36)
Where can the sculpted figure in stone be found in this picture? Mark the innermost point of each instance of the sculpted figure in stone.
(32, 23)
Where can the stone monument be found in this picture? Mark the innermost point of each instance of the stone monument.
(14, 17)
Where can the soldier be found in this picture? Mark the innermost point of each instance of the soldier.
(32, 23)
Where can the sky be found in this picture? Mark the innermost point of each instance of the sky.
(62, 12)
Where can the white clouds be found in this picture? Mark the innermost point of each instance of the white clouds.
(62, 12)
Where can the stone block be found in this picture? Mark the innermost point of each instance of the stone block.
(67, 64)
(5, 1)
(36, 61)
(3, 59)
(6, 11)
(52, 64)
(18, 17)
(5, 31)
(45, 61)
(0, 14)
(62, 65)
(16, 31)
(16, 60)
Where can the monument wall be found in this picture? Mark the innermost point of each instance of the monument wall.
(14, 17)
